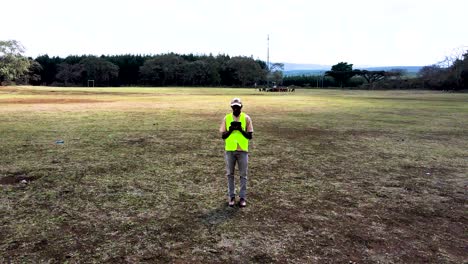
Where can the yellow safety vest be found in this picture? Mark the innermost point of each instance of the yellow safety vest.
(236, 137)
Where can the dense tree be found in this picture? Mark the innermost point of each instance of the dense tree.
(162, 70)
(196, 73)
(129, 67)
(245, 71)
(459, 72)
(464, 73)
(33, 75)
(371, 76)
(276, 73)
(428, 72)
(103, 72)
(225, 73)
(433, 76)
(49, 68)
(214, 77)
(13, 65)
(341, 72)
(70, 74)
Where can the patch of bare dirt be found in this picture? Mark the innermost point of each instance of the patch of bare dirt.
(7, 89)
(16, 178)
(71, 91)
(50, 101)
(135, 141)
(293, 133)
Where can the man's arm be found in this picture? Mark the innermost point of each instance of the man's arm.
(222, 129)
(226, 134)
(247, 135)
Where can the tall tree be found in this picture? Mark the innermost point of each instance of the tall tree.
(103, 72)
(459, 72)
(49, 68)
(33, 76)
(433, 76)
(341, 72)
(464, 72)
(162, 70)
(129, 67)
(276, 73)
(13, 64)
(371, 76)
(197, 73)
(214, 77)
(245, 71)
(70, 74)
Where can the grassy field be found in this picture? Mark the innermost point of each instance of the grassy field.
(136, 175)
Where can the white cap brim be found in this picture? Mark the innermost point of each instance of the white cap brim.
(236, 104)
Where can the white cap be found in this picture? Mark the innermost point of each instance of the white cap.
(236, 101)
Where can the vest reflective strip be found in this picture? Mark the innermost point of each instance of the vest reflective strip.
(236, 137)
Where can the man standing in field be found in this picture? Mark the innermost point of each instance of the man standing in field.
(236, 130)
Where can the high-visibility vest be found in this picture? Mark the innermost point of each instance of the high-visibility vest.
(236, 137)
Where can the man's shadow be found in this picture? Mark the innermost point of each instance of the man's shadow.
(219, 215)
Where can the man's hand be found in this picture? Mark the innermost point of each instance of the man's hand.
(247, 135)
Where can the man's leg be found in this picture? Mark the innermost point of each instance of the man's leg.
(230, 166)
(243, 160)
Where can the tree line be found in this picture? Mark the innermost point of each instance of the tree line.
(152, 70)
(173, 69)
(169, 69)
(450, 74)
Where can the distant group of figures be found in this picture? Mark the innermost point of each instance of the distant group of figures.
(277, 89)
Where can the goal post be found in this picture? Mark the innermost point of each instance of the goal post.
(90, 83)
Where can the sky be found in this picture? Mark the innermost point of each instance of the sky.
(361, 32)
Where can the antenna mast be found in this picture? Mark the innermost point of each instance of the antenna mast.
(268, 52)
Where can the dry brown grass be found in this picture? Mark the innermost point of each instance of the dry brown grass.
(335, 176)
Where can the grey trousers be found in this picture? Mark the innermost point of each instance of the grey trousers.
(242, 159)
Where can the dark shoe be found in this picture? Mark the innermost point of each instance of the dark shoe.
(242, 202)
(232, 201)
